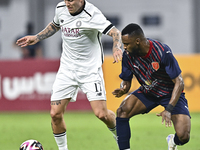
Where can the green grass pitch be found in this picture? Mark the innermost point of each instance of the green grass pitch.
(86, 132)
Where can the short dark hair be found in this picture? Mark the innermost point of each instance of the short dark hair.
(132, 29)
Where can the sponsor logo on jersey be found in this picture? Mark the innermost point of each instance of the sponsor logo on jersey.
(70, 32)
(155, 65)
(150, 84)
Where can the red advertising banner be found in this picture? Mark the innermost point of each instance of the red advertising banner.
(27, 84)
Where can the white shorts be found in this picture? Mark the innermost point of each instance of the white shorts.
(68, 82)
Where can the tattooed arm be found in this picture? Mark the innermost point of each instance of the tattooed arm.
(47, 32)
(33, 39)
(117, 52)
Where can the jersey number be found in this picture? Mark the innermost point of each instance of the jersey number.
(98, 87)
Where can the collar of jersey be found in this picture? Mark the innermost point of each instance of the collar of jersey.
(150, 49)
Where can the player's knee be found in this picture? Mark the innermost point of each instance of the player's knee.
(121, 113)
(56, 117)
(184, 137)
(101, 115)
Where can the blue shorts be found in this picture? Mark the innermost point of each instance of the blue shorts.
(151, 102)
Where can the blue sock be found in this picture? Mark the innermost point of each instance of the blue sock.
(123, 133)
(177, 141)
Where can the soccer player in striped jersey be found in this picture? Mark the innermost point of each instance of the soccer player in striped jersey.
(81, 25)
(159, 75)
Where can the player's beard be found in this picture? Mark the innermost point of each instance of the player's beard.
(135, 52)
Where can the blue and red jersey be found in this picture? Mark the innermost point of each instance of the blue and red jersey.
(154, 71)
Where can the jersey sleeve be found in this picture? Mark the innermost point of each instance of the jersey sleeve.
(100, 22)
(126, 73)
(171, 65)
(56, 19)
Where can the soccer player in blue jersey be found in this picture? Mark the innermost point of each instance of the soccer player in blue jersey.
(159, 75)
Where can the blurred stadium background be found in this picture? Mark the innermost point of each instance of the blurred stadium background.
(174, 22)
(25, 84)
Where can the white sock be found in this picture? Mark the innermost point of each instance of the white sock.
(61, 140)
(113, 130)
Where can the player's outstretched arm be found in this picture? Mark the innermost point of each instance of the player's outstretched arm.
(124, 88)
(33, 39)
(117, 52)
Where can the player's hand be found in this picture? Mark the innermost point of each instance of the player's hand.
(27, 40)
(166, 116)
(119, 91)
(117, 55)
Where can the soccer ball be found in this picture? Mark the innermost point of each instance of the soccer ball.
(31, 145)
